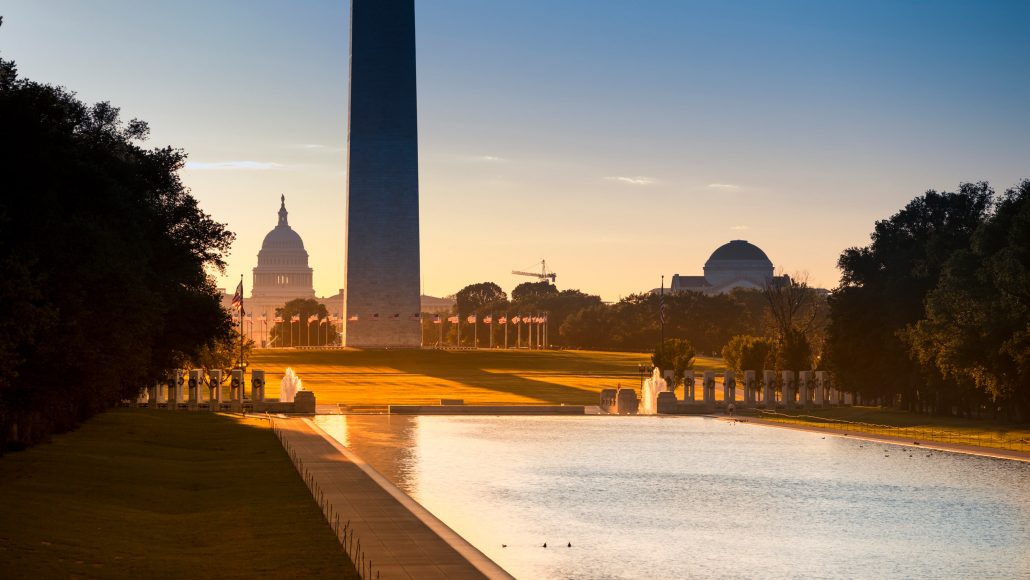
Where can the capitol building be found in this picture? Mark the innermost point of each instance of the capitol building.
(283, 274)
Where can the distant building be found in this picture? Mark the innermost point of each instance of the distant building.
(737, 264)
(283, 274)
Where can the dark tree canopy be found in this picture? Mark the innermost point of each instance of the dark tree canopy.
(105, 256)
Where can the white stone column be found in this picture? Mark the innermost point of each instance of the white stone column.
(708, 385)
(175, 385)
(216, 379)
(237, 386)
(195, 385)
(788, 389)
(821, 382)
(805, 388)
(152, 392)
(749, 388)
(769, 389)
(257, 385)
(688, 387)
(729, 388)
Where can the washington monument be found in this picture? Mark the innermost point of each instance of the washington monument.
(382, 297)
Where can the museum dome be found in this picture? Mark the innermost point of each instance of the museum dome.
(738, 250)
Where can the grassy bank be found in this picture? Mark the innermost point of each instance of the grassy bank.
(156, 494)
(877, 421)
(380, 377)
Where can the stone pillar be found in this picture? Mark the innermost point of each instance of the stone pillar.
(769, 389)
(688, 387)
(237, 385)
(708, 386)
(822, 380)
(729, 388)
(670, 380)
(257, 385)
(788, 389)
(848, 398)
(749, 388)
(175, 385)
(152, 392)
(216, 380)
(195, 385)
(805, 387)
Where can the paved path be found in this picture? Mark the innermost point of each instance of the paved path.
(905, 441)
(399, 537)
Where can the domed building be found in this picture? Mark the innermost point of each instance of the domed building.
(282, 274)
(737, 264)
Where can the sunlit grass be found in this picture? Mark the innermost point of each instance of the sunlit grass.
(877, 421)
(382, 377)
(161, 494)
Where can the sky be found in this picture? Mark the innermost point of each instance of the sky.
(619, 140)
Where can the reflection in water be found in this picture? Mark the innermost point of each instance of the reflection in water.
(664, 497)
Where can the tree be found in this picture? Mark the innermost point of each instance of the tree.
(533, 290)
(976, 332)
(304, 332)
(676, 355)
(749, 353)
(474, 298)
(105, 257)
(883, 291)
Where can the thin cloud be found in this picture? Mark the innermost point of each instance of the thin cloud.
(318, 147)
(244, 165)
(481, 158)
(639, 180)
(724, 186)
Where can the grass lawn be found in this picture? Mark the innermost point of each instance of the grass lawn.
(381, 377)
(877, 421)
(155, 494)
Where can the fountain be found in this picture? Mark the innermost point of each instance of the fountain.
(649, 394)
(289, 386)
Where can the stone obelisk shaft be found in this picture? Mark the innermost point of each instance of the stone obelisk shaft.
(382, 285)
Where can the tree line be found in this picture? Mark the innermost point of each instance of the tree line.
(105, 258)
(934, 314)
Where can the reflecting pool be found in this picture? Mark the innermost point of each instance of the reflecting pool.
(677, 497)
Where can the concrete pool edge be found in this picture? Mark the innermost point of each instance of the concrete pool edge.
(904, 442)
(459, 544)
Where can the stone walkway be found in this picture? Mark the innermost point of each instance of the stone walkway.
(398, 537)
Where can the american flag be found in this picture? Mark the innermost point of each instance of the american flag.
(502, 320)
(488, 319)
(436, 319)
(237, 299)
(312, 318)
(515, 320)
(452, 319)
(352, 318)
(471, 319)
(295, 318)
(662, 308)
(278, 319)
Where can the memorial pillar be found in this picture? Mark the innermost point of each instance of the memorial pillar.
(708, 386)
(749, 388)
(216, 376)
(729, 388)
(237, 386)
(821, 380)
(769, 389)
(805, 387)
(153, 391)
(257, 385)
(195, 385)
(688, 386)
(788, 389)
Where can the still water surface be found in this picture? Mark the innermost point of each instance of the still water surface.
(677, 497)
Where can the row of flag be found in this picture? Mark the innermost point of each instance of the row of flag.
(471, 319)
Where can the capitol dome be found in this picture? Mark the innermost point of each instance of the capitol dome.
(282, 269)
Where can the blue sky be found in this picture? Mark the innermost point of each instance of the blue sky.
(619, 140)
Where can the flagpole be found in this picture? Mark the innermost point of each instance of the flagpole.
(241, 324)
(661, 319)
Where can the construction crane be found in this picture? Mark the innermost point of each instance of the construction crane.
(543, 274)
